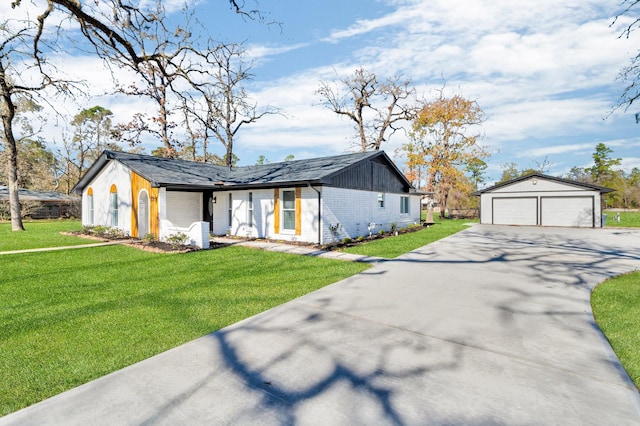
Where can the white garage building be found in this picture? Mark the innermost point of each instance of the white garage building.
(538, 199)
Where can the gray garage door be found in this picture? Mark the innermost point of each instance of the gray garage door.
(515, 211)
(567, 211)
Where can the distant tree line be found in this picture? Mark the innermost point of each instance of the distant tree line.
(605, 171)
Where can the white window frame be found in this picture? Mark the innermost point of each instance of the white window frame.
(230, 210)
(405, 205)
(381, 200)
(250, 210)
(288, 210)
(91, 208)
(113, 208)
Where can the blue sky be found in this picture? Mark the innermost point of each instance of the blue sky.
(543, 71)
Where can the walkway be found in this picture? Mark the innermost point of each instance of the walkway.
(79, 246)
(489, 326)
(299, 249)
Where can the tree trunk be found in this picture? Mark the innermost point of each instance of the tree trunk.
(12, 168)
(443, 202)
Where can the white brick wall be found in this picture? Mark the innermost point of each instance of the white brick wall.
(112, 173)
(355, 210)
(184, 208)
(181, 212)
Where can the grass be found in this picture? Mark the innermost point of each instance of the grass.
(627, 219)
(391, 247)
(39, 234)
(615, 305)
(71, 316)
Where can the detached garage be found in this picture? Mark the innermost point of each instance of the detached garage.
(538, 199)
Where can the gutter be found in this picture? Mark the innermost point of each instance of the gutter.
(319, 212)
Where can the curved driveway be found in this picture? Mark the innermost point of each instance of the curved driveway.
(490, 326)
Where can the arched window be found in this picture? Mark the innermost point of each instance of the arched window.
(113, 205)
(90, 204)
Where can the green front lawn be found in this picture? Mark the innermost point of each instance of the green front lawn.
(39, 234)
(615, 305)
(390, 247)
(74, 315)
(627, 219)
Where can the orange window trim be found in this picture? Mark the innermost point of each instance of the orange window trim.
(298, 211)
(276, 210)
(113, 188)
(90, 191)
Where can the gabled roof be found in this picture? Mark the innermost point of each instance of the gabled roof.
(602, 189)
(41, 196)
(172, 173)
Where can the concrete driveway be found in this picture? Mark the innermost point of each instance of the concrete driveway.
(490, 326)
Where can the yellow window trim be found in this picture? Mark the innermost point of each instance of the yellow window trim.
(276, 210)
(298, 211)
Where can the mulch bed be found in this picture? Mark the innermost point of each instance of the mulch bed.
(155, 246)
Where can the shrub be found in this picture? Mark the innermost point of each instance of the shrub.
(346, 240)
(104, 231)
(335, 230)
(381, 232)
(360, 238)
(178, 239)
(148, 238)
(116, 233)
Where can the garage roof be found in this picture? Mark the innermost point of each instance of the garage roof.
(602, 189)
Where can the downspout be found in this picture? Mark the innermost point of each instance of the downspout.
(319, 213)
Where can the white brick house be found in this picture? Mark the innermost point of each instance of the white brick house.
(317, 200)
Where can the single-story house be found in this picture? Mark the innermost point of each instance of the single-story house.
(538, 199)
(318, 200)
(40, 204)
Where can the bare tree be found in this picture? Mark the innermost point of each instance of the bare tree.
(24, 76)
(630, 73)
(225, 106)
(376, 108)
(115, 30)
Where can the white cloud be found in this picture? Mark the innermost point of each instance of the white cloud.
(543, 71)
(261, 52)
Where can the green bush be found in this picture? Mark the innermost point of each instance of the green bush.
(178, 239)
(104, 231)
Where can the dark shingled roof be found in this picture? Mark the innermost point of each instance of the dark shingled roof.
(41, 196)
(602, 189)
(172, 173)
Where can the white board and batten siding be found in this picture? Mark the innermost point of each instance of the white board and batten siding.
(540, 202)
